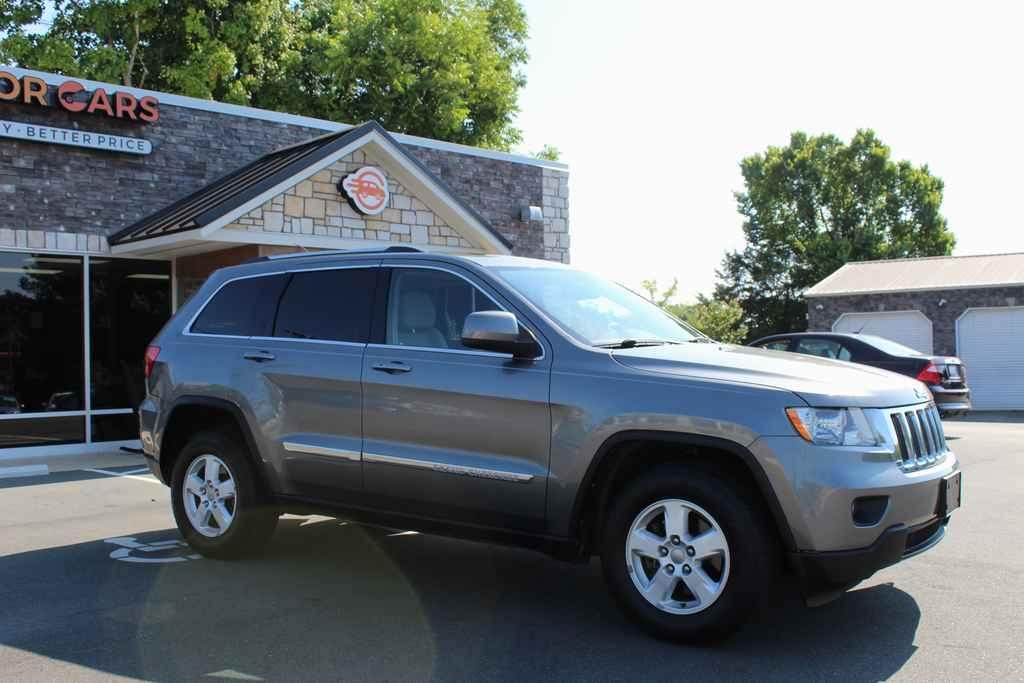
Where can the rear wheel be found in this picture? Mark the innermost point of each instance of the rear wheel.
(686, 554)
(218, 504)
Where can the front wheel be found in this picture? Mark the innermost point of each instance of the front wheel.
(686, 554)
(217, 501)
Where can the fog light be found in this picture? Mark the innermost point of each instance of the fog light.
(869, 510)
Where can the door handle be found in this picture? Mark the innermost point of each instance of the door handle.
(394, 367)
(258, 356)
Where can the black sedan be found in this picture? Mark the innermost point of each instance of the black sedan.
(944, 375)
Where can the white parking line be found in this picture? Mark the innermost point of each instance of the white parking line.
(130, 474)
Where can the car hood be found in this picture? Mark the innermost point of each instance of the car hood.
(819, 381)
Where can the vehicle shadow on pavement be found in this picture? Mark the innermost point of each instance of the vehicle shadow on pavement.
(336, 601)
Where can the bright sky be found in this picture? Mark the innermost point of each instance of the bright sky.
(653, 104)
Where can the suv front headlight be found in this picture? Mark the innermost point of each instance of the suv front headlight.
(833, 426)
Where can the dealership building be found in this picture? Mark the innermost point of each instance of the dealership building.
(966, 306)
(116, 203)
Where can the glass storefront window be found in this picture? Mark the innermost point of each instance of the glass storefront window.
(41, 354)
(129, 301)
(43, 383)
(42, 431)
(115, 427)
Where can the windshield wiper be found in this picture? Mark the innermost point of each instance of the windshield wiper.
(701, 340)
(633, 343)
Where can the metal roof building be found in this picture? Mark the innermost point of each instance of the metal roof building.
(911, 275)
(967, 306)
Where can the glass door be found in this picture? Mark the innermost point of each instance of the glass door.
(129, 301)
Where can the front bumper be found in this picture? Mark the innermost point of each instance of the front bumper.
(824, 576)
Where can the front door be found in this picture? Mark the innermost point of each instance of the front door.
(451, 432)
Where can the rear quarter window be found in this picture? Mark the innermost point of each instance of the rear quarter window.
(242, 308)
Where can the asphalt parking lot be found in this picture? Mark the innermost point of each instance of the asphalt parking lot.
(95, 584)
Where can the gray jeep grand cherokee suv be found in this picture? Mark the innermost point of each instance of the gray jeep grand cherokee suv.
(525, 402)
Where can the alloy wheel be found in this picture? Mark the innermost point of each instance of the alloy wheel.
(677, 556)
(210, 497)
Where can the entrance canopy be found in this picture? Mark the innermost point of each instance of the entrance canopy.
(351, 189)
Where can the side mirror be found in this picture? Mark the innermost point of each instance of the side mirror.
(497, 331)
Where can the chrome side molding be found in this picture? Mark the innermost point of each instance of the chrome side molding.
(448, 468)
(343, 453)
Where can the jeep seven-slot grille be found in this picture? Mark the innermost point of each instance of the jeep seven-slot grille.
(919, 436)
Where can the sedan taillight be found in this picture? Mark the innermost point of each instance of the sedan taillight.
(930, 375)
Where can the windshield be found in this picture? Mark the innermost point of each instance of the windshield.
(888, 346)
(595, 310)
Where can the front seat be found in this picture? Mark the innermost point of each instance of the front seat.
(417, 322)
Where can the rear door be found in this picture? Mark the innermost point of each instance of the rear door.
(451, 432)
(310, 368)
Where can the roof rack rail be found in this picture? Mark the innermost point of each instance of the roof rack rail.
(394, 249)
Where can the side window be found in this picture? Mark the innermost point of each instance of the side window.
(777, 345)
(243, 308)
(427, 308)
(825, 348)
(331, 305)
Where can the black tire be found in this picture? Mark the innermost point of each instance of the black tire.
(254, 518)
(754, 557)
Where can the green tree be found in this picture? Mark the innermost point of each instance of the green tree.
(720, 320)
(660, 298)
(548, 152)
(215, 49)
(816, 204)
(15, 15)
(446, 69)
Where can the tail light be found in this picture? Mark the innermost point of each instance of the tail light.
(930, 374)
(152, 353)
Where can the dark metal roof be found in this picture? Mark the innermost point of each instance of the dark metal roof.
(238, 187)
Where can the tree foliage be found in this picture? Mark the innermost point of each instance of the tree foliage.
(720, 320)
(660, 298)
(548, 152)
(816, 204)
(446, 69)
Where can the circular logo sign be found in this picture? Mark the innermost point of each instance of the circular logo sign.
(367, 189)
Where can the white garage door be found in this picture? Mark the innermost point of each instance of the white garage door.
(910, 328)
(990, 342)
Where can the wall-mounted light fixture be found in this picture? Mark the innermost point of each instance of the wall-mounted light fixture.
(819, 307)
(530, 213)
(942, 302)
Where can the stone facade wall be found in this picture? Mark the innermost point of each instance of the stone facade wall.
(70, 189)
(556, 215)
(497, 190)
(944, 317)
(53, 241)
(48, 188)
(315, 207)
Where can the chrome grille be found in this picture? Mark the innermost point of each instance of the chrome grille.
(919, 437)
